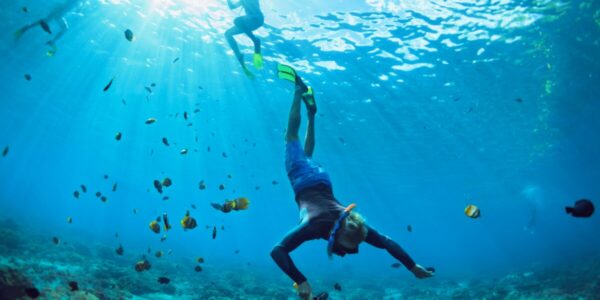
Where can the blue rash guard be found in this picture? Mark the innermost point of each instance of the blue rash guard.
(319, 210)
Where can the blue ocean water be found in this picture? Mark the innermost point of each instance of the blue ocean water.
(424, 107)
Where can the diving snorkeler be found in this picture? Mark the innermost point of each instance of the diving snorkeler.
(246, 24)
(322, 216)
(57, 15)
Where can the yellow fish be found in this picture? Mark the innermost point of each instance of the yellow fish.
(155, 227)
(472, 211)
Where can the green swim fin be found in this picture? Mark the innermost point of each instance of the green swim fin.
(309, 100)
(257, 59)
(286, 72)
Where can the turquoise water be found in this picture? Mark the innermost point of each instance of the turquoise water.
(424, 107)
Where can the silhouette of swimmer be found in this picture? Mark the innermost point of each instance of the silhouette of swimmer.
(253, 19)
(57, 16)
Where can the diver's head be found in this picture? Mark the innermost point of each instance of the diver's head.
(352, 232)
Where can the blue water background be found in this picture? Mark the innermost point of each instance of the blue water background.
(418, 117)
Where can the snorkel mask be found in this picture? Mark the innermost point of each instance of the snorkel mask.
(336, 228)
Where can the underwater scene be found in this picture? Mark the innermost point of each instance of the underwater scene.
(264, 149)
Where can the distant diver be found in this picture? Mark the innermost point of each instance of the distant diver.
(322, 216)
(253, 19)
(57, 15)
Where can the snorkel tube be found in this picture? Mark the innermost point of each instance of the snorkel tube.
(336, 227)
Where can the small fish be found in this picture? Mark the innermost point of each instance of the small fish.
(337, 287)
(142, 265)
(120, 250)
(257, 187)
(237, 252)
(155, 227)
(5, 151)
(274, 182)
(153, 84)
(166, 222)
(582, 209)
(342, 140)
(135, 211)
(73, 286)
(185, 115)
(409, 228)
(193, 206)
(221, 186)
(208, 149)
(396, 265)
(109, 84)
(150, 120)
(472, 211)
(27, 77)
(188, 222)
(229, 176)
(158, 254)
(224, 154)
(25, 9)
(167, 182)
(45, 26)
(123, 101)
(83, 188)
(165, 198)
(129, 35)
(197, 110)
(98, 194)
(163, 280)
(196, 139)
(176, 59)
(105, 176)
(169, 253)
(69, 220)
(200, 259)
(201, 185)
(519, 100)
(198, 269)
(214, 233)
(116, 235)
(55, 240)
(222, 227)
(103, 199)
(158, 186)
(32, 292)
(165, 141)
(76, 194)
(148, 89)
(183, 151)
(163, 238)
(114, 187)
(118, 136)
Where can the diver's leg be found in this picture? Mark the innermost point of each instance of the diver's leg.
(309, 140)
(25, 28)
(233, 44)
(294, 117)
(64, 26)
(255, 40)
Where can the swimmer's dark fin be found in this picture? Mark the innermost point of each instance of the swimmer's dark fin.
(286, 72)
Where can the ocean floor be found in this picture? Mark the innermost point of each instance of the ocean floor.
(38, 263)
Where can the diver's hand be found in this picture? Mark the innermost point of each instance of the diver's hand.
(421, 272)
(305, 291)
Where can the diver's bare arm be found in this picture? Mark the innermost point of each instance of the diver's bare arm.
(309, 142)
